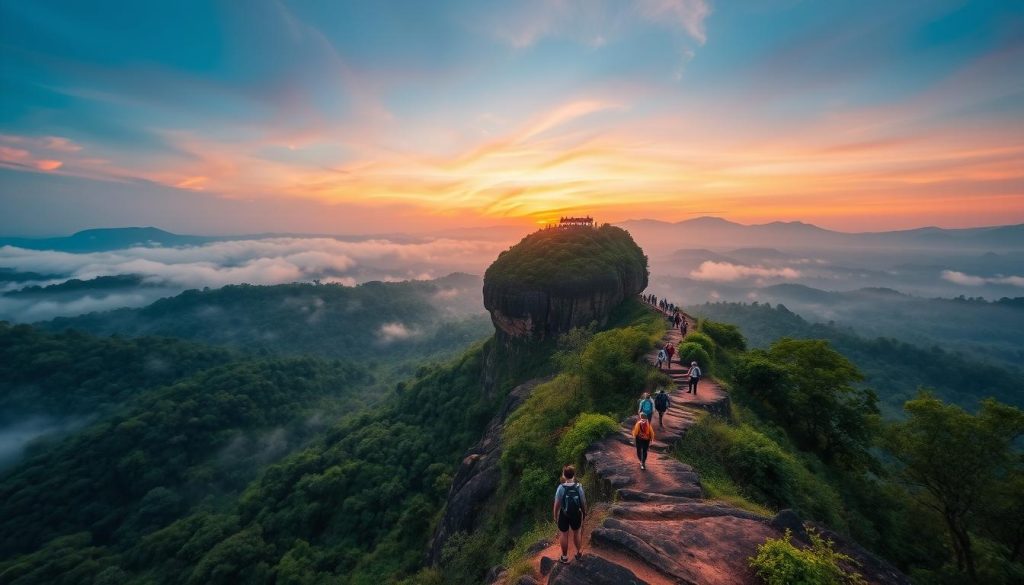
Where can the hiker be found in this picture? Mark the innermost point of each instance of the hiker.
(570, 509)
(684, 327)
(643, 434)
(661, 403)
(670, 350)
(694, 375)
(677, 319)
(662, 357)
(646, 406)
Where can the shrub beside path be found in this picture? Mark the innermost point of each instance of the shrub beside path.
(659, 528)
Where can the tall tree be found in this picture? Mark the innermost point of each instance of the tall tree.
(953, 461)
(810, 389)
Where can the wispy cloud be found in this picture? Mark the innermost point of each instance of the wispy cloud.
(392, 332)
(729, 272)
(971, 280)
(688, 15)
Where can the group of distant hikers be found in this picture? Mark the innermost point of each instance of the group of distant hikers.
(672, 313)
(570, 507)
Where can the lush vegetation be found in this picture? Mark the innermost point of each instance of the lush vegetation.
(895, 369)
(779, 562)
(570, 262)
(965, 468)
(170, 447)
(72, 373)
(239, 473)
(206, 464)
(806, 435)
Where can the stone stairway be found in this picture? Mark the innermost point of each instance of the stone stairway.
(660, 529)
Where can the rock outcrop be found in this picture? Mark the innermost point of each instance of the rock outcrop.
(554, 280)
(478, 476)
(550, 282)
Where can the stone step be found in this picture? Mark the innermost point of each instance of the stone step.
(631, 495)
(679, 510)
(623, 541)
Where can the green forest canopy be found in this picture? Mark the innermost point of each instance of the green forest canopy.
(569, 261)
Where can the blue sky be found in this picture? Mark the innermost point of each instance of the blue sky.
(361, 116)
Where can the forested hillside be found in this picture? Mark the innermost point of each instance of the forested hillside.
(936, 493)
(186, 482)
(895, 369)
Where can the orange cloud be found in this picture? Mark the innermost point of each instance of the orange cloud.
(48, 165)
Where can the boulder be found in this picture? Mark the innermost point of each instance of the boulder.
(593, 570)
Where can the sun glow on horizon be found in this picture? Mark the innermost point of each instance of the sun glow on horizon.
(528, 117)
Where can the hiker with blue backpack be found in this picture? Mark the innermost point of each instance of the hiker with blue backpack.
(646, 406)
(570, 509)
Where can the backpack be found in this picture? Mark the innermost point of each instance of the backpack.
(695, 373)
(572, 504)
(661, 401)
(645, 431)
(647, 406)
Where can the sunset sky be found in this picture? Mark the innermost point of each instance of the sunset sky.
(360, 117)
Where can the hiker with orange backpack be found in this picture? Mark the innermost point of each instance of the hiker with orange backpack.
(643, 434)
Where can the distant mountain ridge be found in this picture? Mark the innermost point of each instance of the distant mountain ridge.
(106, 239)
(714, 232)
(102, 239)
(651, 234)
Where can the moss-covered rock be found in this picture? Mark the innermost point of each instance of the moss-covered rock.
(557, 279)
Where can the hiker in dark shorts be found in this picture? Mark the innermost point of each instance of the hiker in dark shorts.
(643, 434)
(670, 350)
(570, 509)
(695, 376)
(661, 404)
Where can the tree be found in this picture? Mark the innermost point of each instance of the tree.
(953, 461)
(819, 405)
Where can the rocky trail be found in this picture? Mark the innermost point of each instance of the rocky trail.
(659, 529)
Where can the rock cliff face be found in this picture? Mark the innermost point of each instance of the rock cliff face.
(555, 280)
(478, 476)
(550, 282)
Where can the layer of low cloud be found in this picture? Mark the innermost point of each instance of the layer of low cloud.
(971, 280)
(265, 261)
(16, 436)
(268, 261)
(729, 272)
